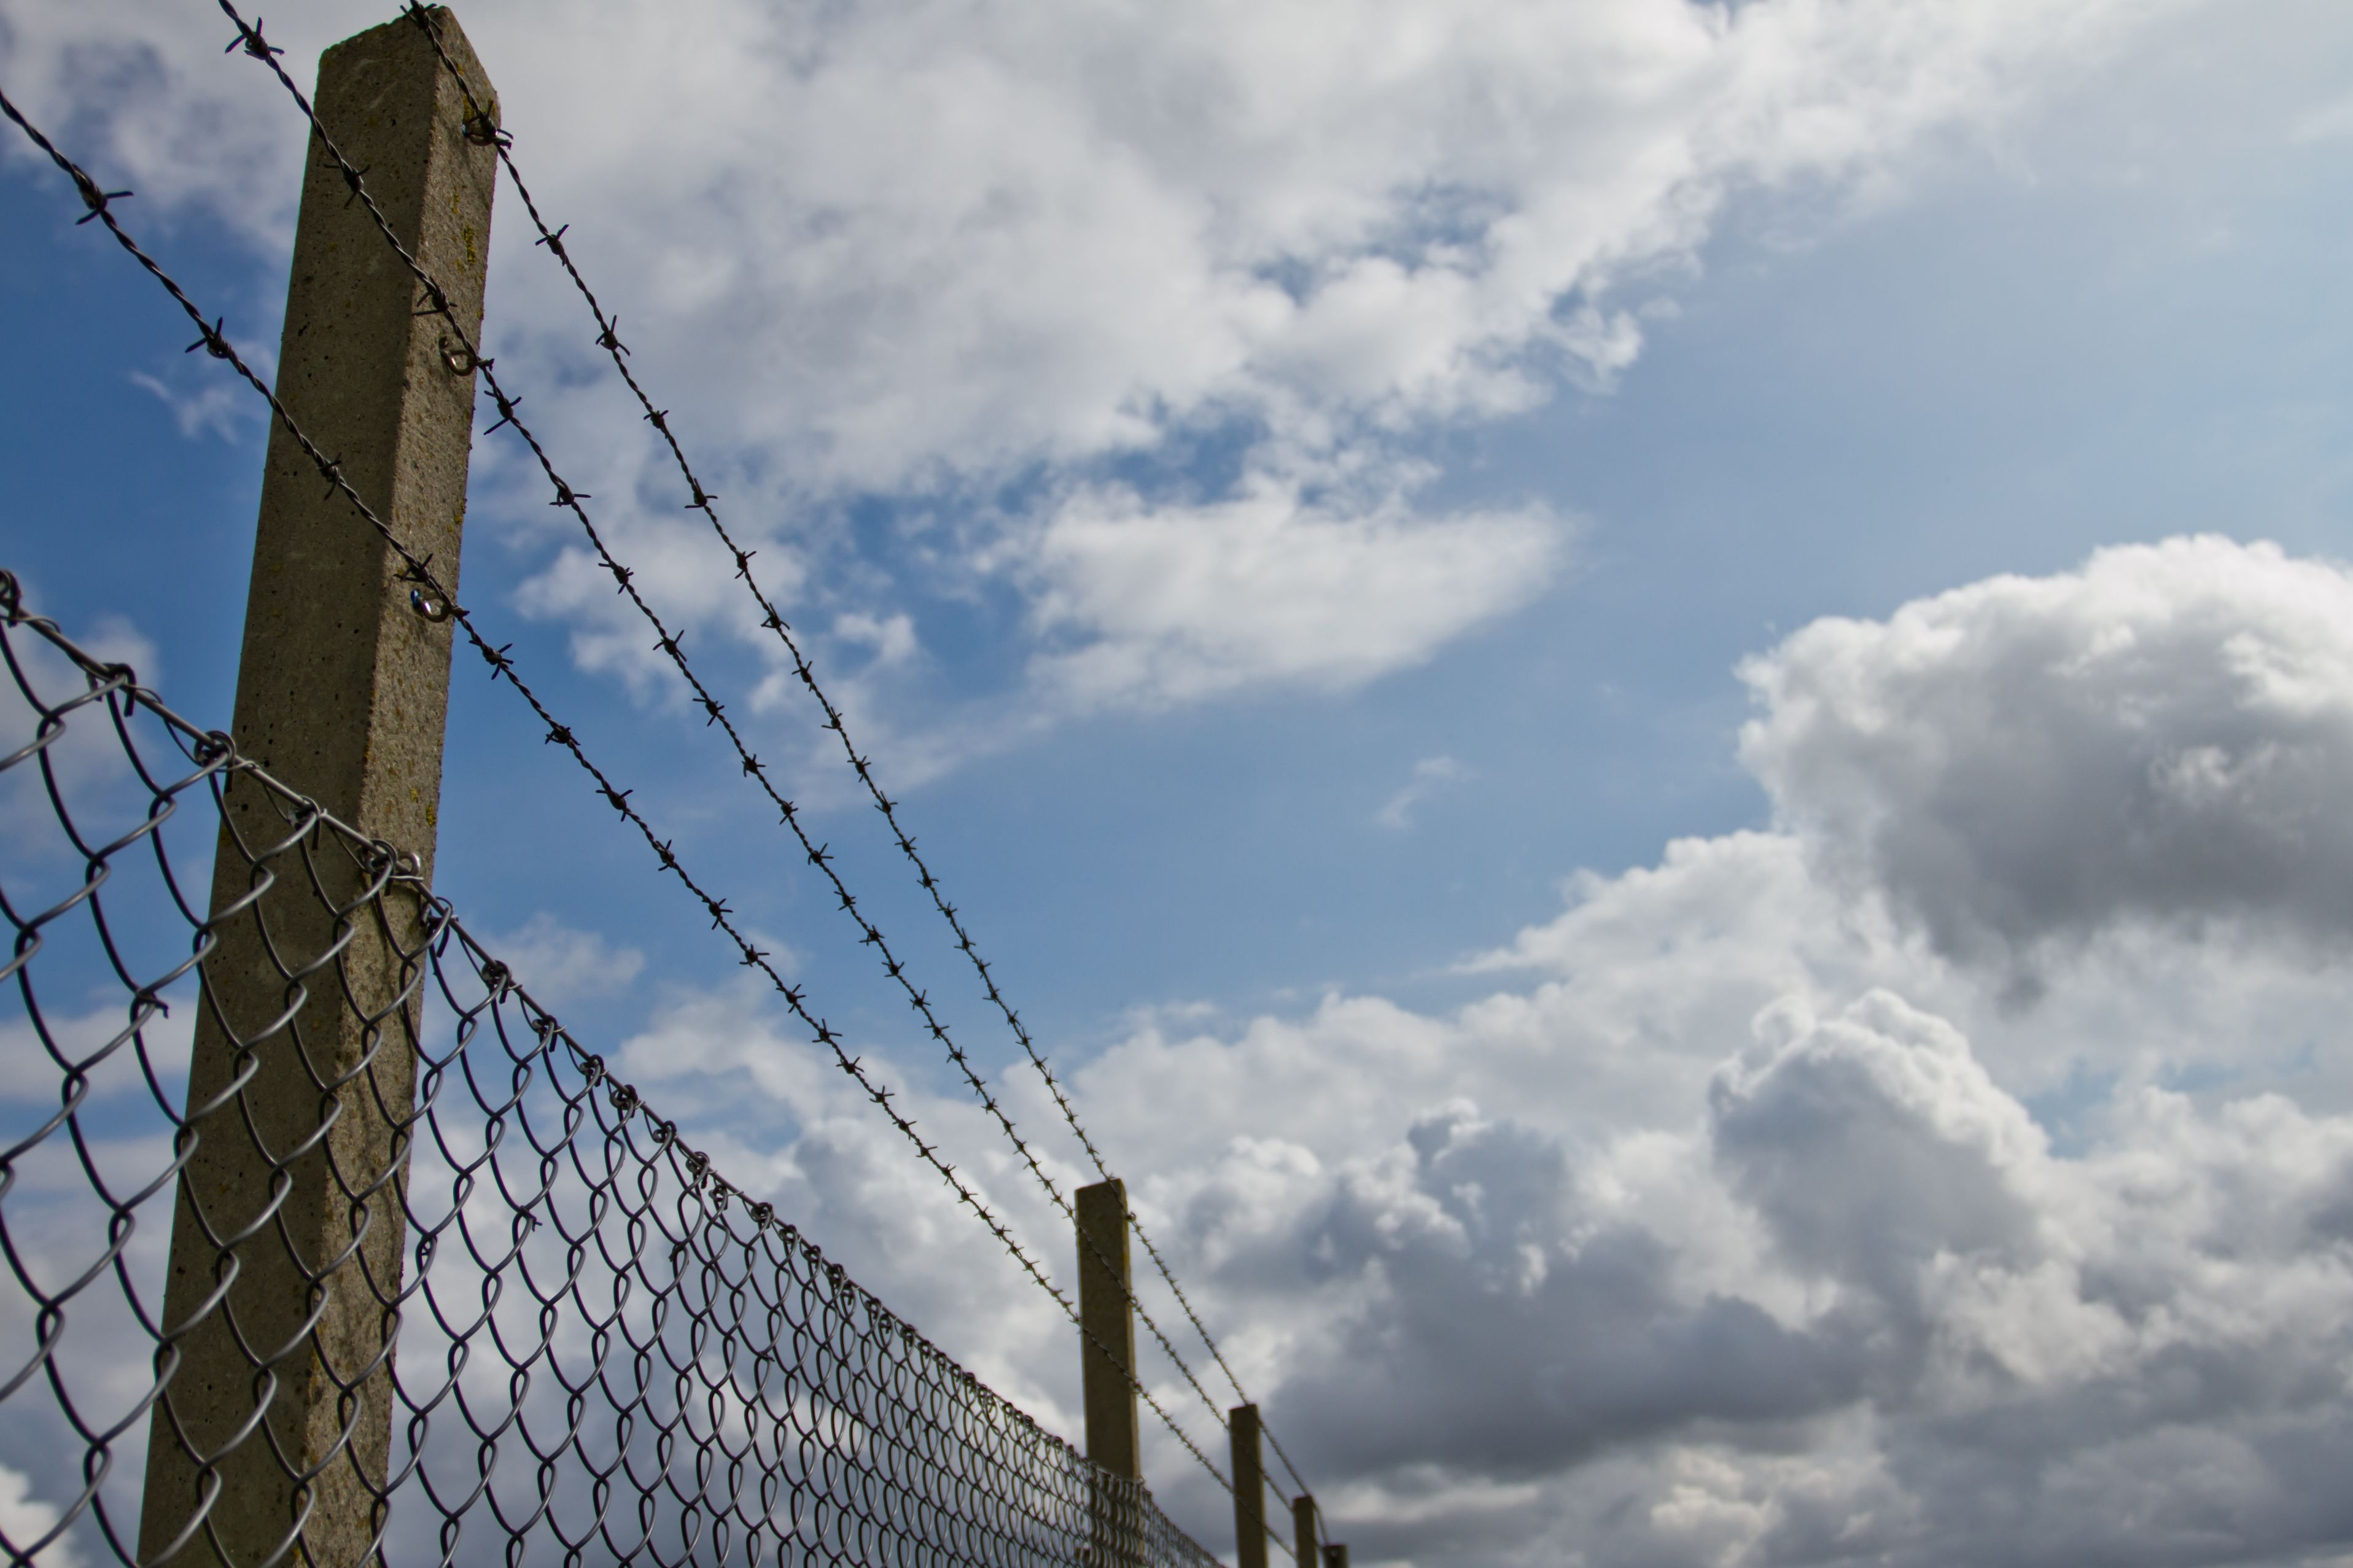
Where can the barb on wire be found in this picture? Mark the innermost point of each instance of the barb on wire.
(705, 500)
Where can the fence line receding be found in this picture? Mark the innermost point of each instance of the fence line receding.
(383, 1143)
(600, 1350)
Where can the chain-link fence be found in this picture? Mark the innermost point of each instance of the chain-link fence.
(519, 1320)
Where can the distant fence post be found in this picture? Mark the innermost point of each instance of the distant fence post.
(287, 1229)
(1249, 1488)
(1107, 1363)
(1336, 1555)
(1302, 1531)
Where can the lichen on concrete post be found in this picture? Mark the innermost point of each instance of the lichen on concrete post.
(272, 1437)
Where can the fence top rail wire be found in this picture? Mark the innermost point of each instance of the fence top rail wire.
(849, 1434)
(483, 125)
(503, 666)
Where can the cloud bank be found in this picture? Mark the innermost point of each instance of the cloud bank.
(1751, 1219)
(2160, 737)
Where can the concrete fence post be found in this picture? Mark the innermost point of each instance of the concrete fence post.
(1302, 1531)
(1107, 1364)
(1249, 1488)
(1336, 1555)
(271, 1439)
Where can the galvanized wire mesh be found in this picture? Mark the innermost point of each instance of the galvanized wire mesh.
(454, 1292)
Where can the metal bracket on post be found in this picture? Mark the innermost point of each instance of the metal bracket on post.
(272, 1437)
(1249, 1488)
(1107, 1318)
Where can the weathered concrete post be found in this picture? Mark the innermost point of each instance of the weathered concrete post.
(343, 691)
(1249, 1488)
(1336, 1555)
(1107, 1316)
(1302, 1531)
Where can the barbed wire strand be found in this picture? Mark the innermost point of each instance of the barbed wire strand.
(705, 502)
(482, 127)
(668, 642)
(418, 571)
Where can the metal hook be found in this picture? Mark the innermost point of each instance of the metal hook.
(462, 360)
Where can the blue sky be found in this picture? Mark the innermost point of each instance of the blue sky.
(2073, 282)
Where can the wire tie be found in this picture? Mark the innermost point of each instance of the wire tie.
(463, 360)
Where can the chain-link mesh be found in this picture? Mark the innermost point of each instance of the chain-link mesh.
(453, 1292)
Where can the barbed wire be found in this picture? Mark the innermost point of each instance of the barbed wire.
(726, 1347)
(428, 591)
(482, 127)
(705, 500)
(418, 571)
(670, 643)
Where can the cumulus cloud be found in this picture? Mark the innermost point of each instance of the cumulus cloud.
(1172, 604)
(25, 1519)
(920, 252)
(2162, 736)
(1856, 1307)
(1745, 1221)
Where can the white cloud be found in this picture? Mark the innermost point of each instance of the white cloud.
(1429, 775)
(560, 963)
(85, 758)
(24, 1518)
(1172, 604)
(214, 409)
(923, 249)
(2164, 736)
